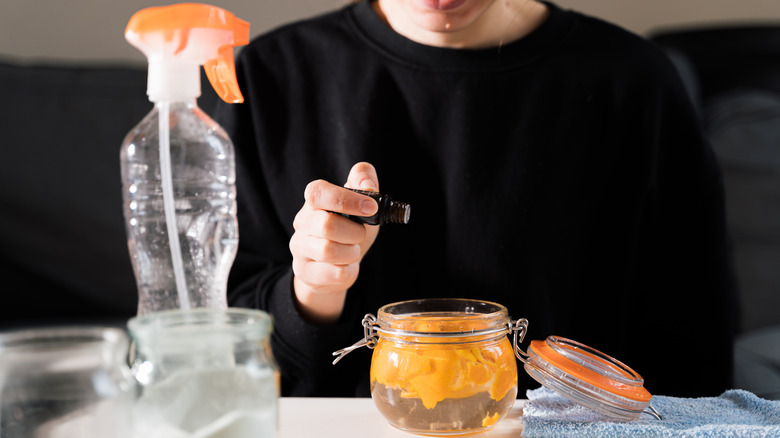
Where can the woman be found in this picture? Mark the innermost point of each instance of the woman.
(552, 161)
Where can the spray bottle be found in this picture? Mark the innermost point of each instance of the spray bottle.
(178, 169)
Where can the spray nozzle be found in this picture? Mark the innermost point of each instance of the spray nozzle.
(178, 39)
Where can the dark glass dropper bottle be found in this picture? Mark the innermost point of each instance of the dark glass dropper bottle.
(390, 211)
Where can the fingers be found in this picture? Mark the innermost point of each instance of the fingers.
(324, 250)
(323, 246)
(319, 223)
(327, 248)
(322, 195)
(363, 176)
(323, 277)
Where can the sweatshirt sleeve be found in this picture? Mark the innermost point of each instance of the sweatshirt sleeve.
(261, 275)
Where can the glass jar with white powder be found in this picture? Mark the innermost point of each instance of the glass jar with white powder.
(204, 373)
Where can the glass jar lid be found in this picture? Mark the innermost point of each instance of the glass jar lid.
(588, 377)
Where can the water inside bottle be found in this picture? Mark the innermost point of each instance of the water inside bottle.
(202, 194)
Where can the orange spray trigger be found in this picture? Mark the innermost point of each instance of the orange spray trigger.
(221, 72)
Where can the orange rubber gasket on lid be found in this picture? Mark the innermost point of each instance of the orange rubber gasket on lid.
(556, 359)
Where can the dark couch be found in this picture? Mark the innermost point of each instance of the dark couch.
(63, 248)
(733, 75)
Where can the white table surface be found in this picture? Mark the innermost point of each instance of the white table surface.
(358, 417)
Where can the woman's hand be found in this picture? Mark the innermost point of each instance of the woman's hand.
(327, 248)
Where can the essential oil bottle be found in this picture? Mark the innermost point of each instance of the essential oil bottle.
(390, 211)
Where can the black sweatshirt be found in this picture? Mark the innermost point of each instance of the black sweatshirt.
(563, 175)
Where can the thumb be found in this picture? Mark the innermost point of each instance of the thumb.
(363, 176)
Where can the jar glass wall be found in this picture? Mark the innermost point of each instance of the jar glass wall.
(443, 366)
(65, 382)
(204, 372)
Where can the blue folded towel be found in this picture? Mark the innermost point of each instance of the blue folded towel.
(735, 413)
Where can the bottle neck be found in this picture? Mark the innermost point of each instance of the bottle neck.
(394, 211)
(188, 104)
(171, 81)
(389, 211)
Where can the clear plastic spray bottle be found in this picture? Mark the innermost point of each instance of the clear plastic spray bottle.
(178, 170)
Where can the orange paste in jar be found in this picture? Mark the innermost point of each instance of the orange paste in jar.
(435, 369)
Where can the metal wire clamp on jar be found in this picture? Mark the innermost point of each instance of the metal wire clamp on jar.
(442, 366)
